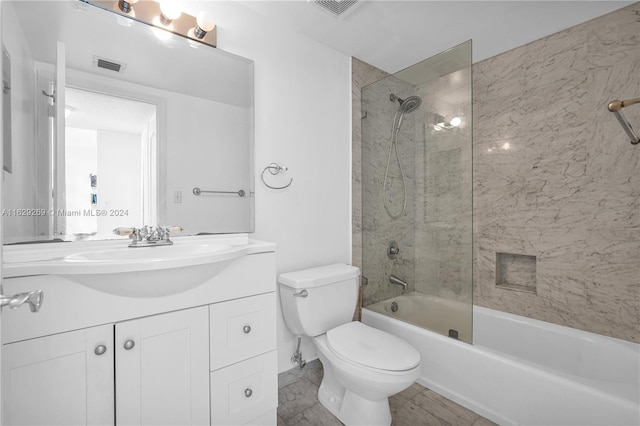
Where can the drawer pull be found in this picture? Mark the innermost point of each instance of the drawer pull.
(248, 392)
(129, 344)
(246, 329)
(100, 350)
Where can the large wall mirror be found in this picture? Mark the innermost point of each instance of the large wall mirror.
(113, 123)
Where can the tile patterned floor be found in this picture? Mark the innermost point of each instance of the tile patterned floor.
(416, 406)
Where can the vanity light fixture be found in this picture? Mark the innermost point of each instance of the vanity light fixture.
(165, 16)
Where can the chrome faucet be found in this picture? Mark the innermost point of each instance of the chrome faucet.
(149, 236)
(395, 280)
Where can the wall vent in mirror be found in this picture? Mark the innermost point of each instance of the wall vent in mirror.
(108, 64)
(167, 16)
(339, 8)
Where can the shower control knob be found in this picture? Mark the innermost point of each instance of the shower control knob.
(100, 350)
(248, 392)
(393, 250)
(129, 344)
(246, 329)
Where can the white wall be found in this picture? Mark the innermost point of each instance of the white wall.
(302, 120)
(119, 186)
(81, 161)
(203, 151)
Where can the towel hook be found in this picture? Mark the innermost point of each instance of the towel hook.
(274, 169)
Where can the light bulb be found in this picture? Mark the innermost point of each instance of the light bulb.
(455, 121)
(170, 10)
(204, 24)
(205, 21)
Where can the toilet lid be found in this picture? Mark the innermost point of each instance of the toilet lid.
(372, 348)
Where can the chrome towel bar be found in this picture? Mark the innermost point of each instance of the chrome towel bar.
(198, 191)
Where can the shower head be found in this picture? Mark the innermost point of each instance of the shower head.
(409, 104)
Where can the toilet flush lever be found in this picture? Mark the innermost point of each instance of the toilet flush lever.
(303, 293)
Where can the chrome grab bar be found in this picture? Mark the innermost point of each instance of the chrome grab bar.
(198, 191)
(616, 108)
(33, 298)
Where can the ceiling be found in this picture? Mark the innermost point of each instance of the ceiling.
(395, 34)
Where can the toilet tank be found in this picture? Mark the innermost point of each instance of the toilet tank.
(318, 299)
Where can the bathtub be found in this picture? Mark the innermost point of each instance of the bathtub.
(521, 371)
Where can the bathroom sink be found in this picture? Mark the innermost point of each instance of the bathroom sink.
(135, 272)
(148, 254)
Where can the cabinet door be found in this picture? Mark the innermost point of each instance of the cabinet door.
(162, 373)
(63, 379)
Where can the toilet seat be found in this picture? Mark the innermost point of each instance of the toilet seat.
(368, 347)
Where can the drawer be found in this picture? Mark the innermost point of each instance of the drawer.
(244, 391)
(241, 329)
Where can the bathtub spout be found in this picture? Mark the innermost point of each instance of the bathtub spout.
(395, 280)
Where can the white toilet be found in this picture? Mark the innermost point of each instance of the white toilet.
(363, 366)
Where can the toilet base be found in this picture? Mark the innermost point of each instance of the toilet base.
(354, 410)
(348, 407)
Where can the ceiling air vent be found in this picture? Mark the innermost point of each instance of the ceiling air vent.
(339, 8)
(108, 64)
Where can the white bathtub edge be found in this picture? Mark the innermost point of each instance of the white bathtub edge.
(467, 403)
(440, 374)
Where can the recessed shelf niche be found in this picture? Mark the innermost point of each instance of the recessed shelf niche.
(516, 272)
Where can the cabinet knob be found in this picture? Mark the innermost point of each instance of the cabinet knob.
(100, 350)
(248, 392)
(246, 329)
(129, 344)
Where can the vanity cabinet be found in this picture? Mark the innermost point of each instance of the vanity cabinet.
(161, 374)
(161, 369)
(243, 360)
(64, 379)
(203, 356)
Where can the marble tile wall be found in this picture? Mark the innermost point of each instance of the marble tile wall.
(556, 178)
(362, 74)
(554, 175)
(378, 228)
(434, 234)
(443, 227)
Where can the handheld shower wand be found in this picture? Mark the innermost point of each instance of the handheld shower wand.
(407, 105)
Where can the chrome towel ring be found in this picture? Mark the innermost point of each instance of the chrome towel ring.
(274, 169)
